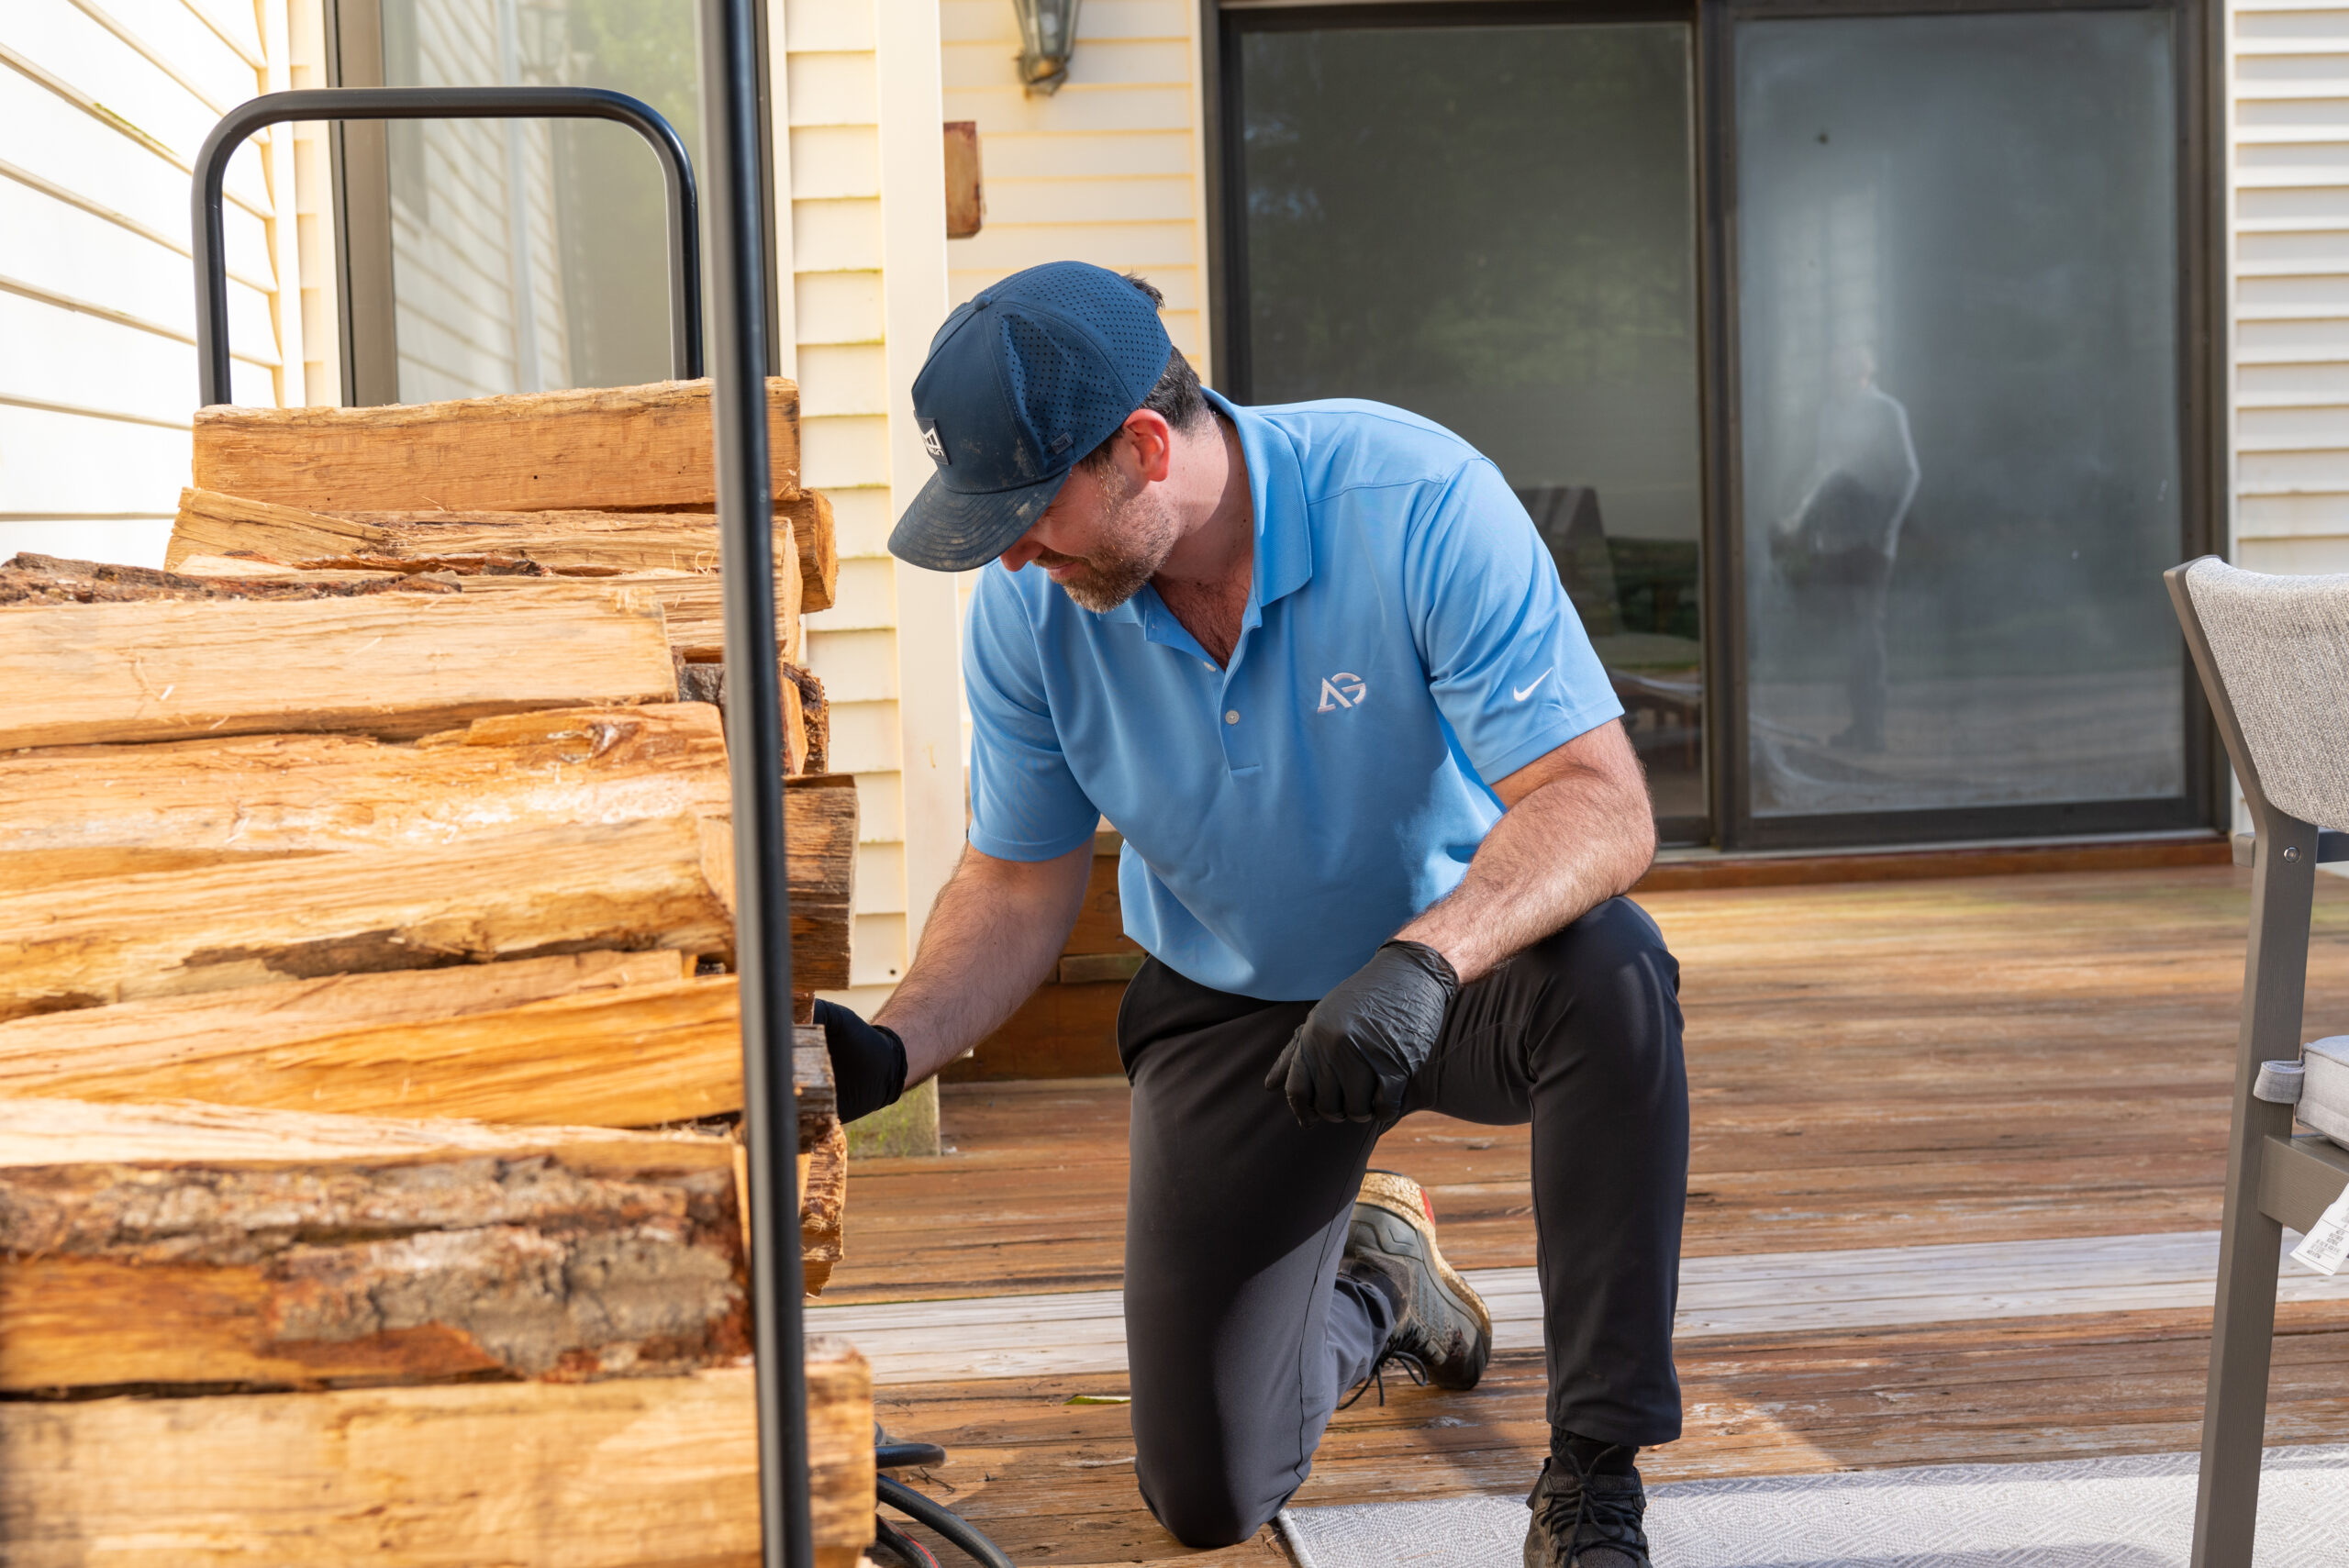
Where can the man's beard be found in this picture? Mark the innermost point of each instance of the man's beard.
(1145, 535)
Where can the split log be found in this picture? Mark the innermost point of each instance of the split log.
(820, 818)
(611, 1056)
(585, 543)
(32, 578)
(196, 1246)
(613, 1474)
(806, 715)
(819, 551)
(282, 792)
(394, 665)
(823, 1204)
(610, 447)
(631, 885)
(691, 602)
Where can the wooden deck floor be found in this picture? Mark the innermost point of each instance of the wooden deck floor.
(1986, 1059)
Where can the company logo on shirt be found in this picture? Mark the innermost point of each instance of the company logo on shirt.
(1342, 689)
(1518, 694)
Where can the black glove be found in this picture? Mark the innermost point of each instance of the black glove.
(1354, 1054)
(868, 1060)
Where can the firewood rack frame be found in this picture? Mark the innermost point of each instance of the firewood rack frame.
(739, 266)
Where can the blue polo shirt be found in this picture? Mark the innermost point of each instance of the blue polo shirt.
(1406, 642)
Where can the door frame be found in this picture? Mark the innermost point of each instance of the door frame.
(2201, 261)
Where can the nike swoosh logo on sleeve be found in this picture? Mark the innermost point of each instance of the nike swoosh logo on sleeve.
(1520, 694)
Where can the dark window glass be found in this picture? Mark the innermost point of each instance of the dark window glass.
(1493, 228)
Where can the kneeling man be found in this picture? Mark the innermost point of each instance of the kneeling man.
(1379, 819)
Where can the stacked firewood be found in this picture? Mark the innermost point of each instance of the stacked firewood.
(369, 1061)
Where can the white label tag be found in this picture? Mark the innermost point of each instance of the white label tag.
(2326, 1246)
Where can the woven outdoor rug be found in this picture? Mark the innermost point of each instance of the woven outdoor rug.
(2091, 1513)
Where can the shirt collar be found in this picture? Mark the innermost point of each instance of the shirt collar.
(1276, 498)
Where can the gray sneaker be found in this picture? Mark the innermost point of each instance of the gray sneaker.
(1586, 1522)
(1444, 1329)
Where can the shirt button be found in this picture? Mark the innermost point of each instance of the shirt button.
(1207, 664)
(1231, 715)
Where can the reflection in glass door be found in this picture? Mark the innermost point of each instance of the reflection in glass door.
(1493, 226)
(1957, 306)
(533, 254)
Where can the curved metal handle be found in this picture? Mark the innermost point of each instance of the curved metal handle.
(435, 103)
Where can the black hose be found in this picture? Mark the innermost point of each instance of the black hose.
(906, 1456)
(943, 1520)
(903, 1548)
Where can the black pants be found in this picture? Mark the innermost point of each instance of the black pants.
(1240, 1336)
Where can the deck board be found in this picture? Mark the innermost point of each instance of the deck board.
(1991, 1060)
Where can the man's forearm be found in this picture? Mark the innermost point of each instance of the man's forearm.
(991, 938)
(1576, 841)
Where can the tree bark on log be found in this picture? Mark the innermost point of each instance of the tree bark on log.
(666, 883)
(392, 665)
(609, 447)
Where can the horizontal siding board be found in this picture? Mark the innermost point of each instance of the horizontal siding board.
(1077, 108)
(1131, 198)
(64, 463)
(880, 879)
(864, 737)
(837, 450)
(836, 236)
(2259, 385)
(63, 356)
(840, 380)
(838, 308)
(1021, 155)
(2290, 516)
(990, 21)
(59, 143)
(866, 597)
(877, 946)
(880, 808)
(833, 89)
(841, 26)
(861, 519)
(859, 666)
(1095, 65)
(1121, 247)
(835, 161)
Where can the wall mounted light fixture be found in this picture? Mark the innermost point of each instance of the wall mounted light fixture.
(1047, 39)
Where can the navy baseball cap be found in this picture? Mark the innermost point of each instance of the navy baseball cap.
(1030, 375)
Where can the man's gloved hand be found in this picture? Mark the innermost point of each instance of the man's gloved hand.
(868, 1060)
(1354, 1054)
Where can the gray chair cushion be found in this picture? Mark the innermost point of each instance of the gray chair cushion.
(2324, 1096)
(2281, 645)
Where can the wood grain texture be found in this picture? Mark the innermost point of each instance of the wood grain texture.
(818, 547)
(612, 1056)
(658, 883)
(355, 1250)
(820, 816)
(1679, 874)
(462, 541)
(643, 1473)
(1060, 1031)
(1992, 1058)
(1053, 1482)
(823, 1202)
(395, 665)
(612, 446)
(273, 793)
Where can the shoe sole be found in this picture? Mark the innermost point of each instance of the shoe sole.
(1393, 1193)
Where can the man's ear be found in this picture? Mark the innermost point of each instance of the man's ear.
(1152, 444)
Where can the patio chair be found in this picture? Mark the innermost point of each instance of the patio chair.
(2273, 653)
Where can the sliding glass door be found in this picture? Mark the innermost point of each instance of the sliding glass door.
(1494, 227)
(1959, 455)
(1846, 360)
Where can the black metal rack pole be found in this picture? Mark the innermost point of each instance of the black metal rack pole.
(731, 148)
(433, 104)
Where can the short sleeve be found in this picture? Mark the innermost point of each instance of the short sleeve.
(1511, 665)
(1026, 804)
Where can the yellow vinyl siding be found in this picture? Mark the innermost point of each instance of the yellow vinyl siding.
(2289, 149)
(1105, 170)
(106, 104)
(867, 288)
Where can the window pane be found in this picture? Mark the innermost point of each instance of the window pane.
(1957, 325)
(1492, 226)
(531, 254)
